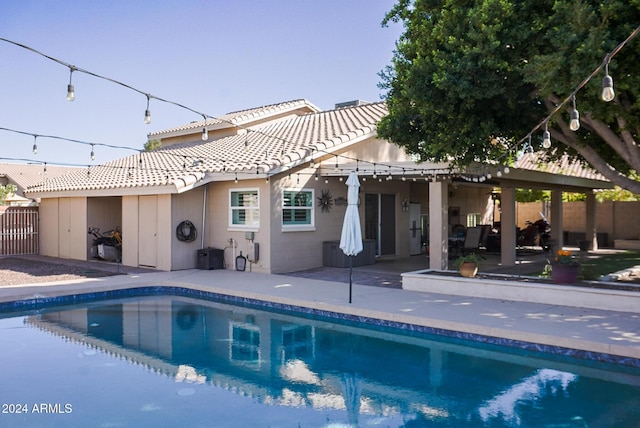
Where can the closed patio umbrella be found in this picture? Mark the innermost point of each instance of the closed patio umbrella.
(351, 238)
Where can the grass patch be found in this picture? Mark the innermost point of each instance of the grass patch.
(596, 265)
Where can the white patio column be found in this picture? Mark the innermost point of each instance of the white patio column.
(508, 226)
(438, 221)
(592, 221)
(556, 219)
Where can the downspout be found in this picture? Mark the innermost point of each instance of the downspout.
(204, 215)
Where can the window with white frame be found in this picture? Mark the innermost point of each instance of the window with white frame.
(297, 209)
(473, 219)
(244, 209)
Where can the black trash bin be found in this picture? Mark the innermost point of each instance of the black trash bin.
(210, 258)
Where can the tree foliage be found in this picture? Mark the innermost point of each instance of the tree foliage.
(151, 145)
(470, 79)
(6, 191)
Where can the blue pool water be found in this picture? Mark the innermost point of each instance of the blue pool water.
(174, 361)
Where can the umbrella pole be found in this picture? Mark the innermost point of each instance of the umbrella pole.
(350, 275)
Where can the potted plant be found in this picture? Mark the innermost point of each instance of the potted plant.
(467, 265)
(565, 268)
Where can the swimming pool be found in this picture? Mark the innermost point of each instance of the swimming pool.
(173, 360)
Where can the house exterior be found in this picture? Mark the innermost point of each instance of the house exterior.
(268, 182)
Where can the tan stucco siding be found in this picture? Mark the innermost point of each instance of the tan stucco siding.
(219, 232)
(298, 250)
(186, 207)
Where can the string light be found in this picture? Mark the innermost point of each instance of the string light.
(147, 112)
(71, 93)
(93, 155)
(236, 179)
(35, 145)
(574, 123)
(546, 137)
(205, 133)
(608, 94)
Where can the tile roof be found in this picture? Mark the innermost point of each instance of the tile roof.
(564, 166)
(240, 117)
(27, 175)
(267, 148)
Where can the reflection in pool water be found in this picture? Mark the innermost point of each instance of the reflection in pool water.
(174, 361)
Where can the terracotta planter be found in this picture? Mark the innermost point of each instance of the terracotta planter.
(565, 274)
(468, 269)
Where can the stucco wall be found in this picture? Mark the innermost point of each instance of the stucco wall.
(186, 206)
(219, 233)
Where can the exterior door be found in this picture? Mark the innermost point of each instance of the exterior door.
(415, 230)
(148, 231)
(387, 225)
(64, 228)
(380, 222)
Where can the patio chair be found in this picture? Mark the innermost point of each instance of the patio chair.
(472, 240)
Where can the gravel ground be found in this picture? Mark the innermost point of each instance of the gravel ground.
(16, 271)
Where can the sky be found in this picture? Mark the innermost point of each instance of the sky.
(214, 56)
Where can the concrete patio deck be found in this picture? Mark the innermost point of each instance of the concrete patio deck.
(614, 333)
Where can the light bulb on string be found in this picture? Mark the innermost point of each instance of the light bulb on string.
(35, 146)
(93, 155)
(336, 167)
(574, 123)
(147, 112)
(546, 137)
(506, 170)
(205, 133)
(236, 179)
(71, 93)
(608, 94)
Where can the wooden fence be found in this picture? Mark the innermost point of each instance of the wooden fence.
(18, 230)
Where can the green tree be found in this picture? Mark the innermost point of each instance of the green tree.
(151, 145)
(6, 191)
(469, 80)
